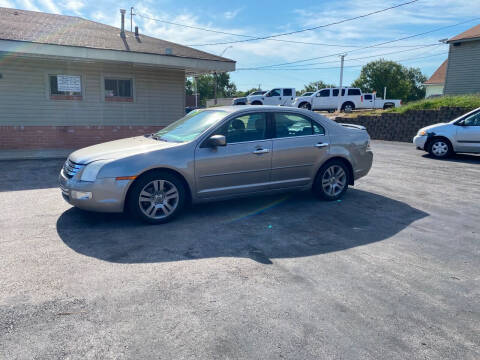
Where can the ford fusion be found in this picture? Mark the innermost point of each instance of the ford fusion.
(214, 154)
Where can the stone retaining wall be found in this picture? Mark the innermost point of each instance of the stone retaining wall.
(403, 127)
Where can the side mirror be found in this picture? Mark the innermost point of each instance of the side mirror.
(460, 123)
(217, 140)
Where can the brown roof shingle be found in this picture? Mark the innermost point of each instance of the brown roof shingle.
(439, 75)
(472, 33)
(44, 28)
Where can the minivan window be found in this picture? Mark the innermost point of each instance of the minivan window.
(190, 126)
(354, 92)
(335, 92)
(288, 125)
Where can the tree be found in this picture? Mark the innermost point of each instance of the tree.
(314, 86)
(206, 86)
(401, 82)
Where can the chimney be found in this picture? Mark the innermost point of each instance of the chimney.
(122, 29)
(136, 31)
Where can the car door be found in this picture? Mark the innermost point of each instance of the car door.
(242, 166)
(321, 99)
(468, 134)
(288, 97)
(273, 97)
(300, 145)
(368, 101)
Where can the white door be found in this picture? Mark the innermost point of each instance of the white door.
(368, 101)
(288, 97)
(468, 134)
(273, 97)
(322, 100)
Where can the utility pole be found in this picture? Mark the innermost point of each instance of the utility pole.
(385, 93)
(216, 86)
(131, 19)
(342, 59)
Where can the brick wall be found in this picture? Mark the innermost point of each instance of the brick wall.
(65, 137)
(403, 127)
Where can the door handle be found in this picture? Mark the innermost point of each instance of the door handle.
(321, 145)
(261, 151)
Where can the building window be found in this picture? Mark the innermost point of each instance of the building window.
(120, 90)
(65, 87)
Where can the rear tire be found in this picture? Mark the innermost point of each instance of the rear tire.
(348, 107)
(331, 181)
(157, 197)
(440, 148)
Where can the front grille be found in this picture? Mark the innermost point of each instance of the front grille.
(70, 168)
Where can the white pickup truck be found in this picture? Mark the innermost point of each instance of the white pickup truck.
(277, 96)
(327, 99)
(371, 101)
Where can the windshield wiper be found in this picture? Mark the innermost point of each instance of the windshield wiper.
(154, 136)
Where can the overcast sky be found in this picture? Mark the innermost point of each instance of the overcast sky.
(260, 18)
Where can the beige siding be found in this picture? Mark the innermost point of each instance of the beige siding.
(159, 95)
(463, 71)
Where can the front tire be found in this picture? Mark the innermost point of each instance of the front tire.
(331, 181)
(440, 148)
(256, 103)
(305, 105)
(157, 197)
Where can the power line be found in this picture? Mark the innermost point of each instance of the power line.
(371, 46)
(338, 67)
(252, 38)
(369, 56)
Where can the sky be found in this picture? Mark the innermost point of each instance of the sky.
(262, 18)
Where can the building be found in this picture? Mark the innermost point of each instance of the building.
(434, 86)
(463, 70)
(67, 82)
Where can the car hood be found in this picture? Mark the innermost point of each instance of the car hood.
(434, 126)
(119, 148)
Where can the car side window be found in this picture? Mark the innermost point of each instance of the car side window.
(287, 92)
(336, 91)
(368, 97)
(289, 125)
(275, 92)
(249, 127)
(354, 92)
(324, 93)
(472, 120)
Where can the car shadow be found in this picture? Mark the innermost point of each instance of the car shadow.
(460, 158)
(261, 228)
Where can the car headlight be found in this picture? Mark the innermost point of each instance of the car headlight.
(422, 133)
(91, 170)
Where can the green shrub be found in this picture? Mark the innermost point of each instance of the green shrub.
(469, 102)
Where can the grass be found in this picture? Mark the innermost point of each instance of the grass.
(469, 102)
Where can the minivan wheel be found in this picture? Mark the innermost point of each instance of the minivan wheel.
(157, 197)
(331, 181)
(440, 148)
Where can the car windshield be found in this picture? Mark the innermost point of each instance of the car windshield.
(190, 126)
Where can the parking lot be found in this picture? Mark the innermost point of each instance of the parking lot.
(390, 272)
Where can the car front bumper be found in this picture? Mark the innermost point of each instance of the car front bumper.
(106, 195)
(420, 141)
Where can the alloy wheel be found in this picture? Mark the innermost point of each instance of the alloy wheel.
(334, 180)
(158, 199)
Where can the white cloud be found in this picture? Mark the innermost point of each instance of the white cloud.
(231, 14)
(28, 5)
(74, 5)
(6, 3)
(50, 6)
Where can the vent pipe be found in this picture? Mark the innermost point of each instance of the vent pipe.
(122, 29)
